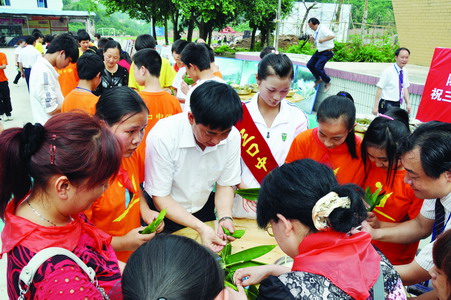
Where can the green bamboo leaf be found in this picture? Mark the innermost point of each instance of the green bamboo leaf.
(152, 227)
(230, 285)
(226, 251)
(248, 254)
(249, 194)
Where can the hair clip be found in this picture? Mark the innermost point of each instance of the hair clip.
(275, 52)
(52, 151)
(385, 116)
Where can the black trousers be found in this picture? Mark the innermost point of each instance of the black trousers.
(5, 99)
(386, 105)
(16, 80)
(207, 213)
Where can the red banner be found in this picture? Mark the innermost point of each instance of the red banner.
(255, 152)
(435, 103)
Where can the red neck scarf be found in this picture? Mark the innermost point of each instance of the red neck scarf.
(348, 261)
(343, 148)
(20, 231)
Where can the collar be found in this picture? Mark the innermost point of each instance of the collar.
(282, 117)
(348, 261)
(446, 201)
(20, 231)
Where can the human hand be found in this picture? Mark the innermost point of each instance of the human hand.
(249, 205)
(254, 275)
(230, 294)
(184, 87)
(210, 239)
(375, 111)
(228, 224)
(133, 239)
(149, 216)
(373, 221)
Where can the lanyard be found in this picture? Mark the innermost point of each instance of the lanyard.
(80, 88)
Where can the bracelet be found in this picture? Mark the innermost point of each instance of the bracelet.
(225, 218)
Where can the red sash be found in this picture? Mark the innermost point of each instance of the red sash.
(255, 151)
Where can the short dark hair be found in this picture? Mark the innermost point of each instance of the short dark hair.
(112, 44)
(64, 42)
(211, 53)
(293, 189)
(433, 139)
(150, 59)
(48, 38)
(97, 35)
(275, 64)
(30, 40)
(400, 49)
(144, 41)
(216, 105)
(102, 42)
(117, 102)
(334, 107)
(441, 254)
(89, 65)
(385, 133)
(180, 46)
(38, 35)
(314, 21)
(197, 55)
(173, 267)
(83, 36)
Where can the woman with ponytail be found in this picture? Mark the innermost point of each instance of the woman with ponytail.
(48, 176)
(315, 221)
(383, 169)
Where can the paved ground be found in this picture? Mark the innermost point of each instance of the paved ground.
(22, 113)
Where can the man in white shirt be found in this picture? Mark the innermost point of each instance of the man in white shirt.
(187, 154)
(323, 38)
(27, 58)
(46, 97)
(196, 59)
(426, 156)
(392, 88)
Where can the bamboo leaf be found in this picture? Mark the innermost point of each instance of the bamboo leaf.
(245, 264)
(152, 227)
(249, 194)
(248, 254)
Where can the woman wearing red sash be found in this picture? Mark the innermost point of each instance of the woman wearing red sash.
(333, 142)
(314, 221)
(383, 166)
(272, 122)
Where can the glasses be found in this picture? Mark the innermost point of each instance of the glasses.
(269, 230)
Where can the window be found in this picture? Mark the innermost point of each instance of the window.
(41, 3)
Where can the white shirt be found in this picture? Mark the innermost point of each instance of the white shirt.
(289, 122)
(389, 82)
(45, 91)
(175, 165)
(28, 56)
(424, 258)
(199, 82)
(320, 33)
(177, 83)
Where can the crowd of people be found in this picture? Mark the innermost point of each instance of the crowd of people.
(117, 139)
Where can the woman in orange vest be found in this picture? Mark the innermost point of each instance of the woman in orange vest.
(333, 142)
(383, 168)
(121, 207)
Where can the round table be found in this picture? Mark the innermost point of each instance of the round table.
(253, 237)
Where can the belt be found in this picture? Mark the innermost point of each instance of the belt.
(389, 100)
(328, 50)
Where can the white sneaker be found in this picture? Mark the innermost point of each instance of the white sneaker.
(9, 118)
(16, 85)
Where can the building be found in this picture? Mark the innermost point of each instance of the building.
(21, 17)
(423, 26)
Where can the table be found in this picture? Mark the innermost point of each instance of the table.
(253, 237)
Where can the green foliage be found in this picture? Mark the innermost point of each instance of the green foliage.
(220, 50)
(355, 50)
(121, 22)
